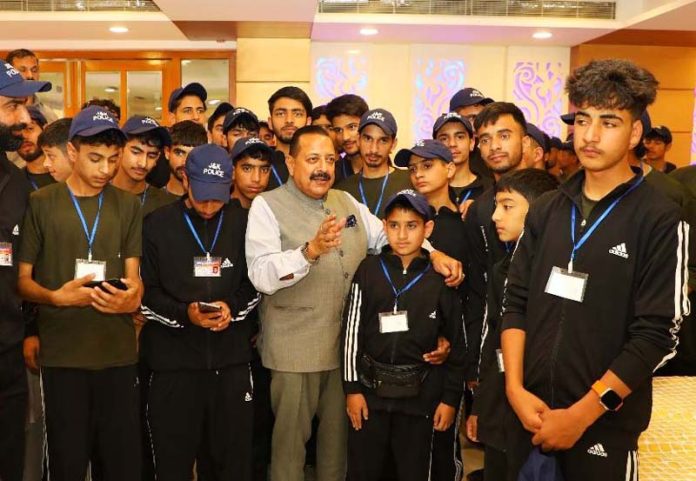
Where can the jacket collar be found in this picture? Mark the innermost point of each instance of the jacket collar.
(572, 188)
(393, 261)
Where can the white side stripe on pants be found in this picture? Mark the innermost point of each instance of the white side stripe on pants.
(632, 466)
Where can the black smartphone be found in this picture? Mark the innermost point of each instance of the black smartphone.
(117, 283)
(206, 307)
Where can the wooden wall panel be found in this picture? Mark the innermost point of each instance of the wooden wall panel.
(680, 153)
(674, 67)
(290, 60)
(673, 108)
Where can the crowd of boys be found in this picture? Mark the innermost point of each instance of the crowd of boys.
(229, 298)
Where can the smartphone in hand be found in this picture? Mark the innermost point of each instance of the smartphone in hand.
(206, 307)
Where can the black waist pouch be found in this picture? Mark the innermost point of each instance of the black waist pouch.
(392, 381)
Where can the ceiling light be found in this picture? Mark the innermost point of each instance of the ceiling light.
(369, 31)
(157, 109)
(213, 101)
(185, 62)
(118, 29)
(353, 51)
(110, 90)
(542, 35)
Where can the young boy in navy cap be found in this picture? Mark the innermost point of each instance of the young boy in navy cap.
(215, 121)
(431, 166)
(397, 308)
(239, 123)
(457, 134)
(534, 152)
(377, 180)
(77, 235)
(188, 103)
(657, 142)
(146, 141)
(252, 169)
(197, 301)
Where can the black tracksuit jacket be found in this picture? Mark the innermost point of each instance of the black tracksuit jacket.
(490, 404)
(484, 251)
(169, 341)
(433, 310)
(633, 305)
(14, 198)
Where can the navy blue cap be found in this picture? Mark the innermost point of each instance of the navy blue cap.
(428, 149)
(245, 143)
(415, 200)
(556, 143)
(93, 120)
(193, 88)
(568, 118)
(233, 116)
(534, 132)
(569, 143)
(662, 132)
(12, 84)
(468, 96)
(209, 172)
(452, 117)
(36, 115)
(221, 109)
(139, 124)
(381, 118)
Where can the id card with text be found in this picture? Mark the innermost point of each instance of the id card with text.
(207, 266)
(5, 254)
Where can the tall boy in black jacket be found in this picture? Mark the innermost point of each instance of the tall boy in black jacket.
(197, 299)
(596, 291)
(397, 308)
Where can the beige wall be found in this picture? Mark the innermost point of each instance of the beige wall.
(264, 65)
(675, 69)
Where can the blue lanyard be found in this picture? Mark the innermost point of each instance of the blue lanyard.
(466, 197)
(398, 293)
(90, 237)
(33, 183)
(343, 166)
(508, 246)
(198, 239)
(275, 174)
(142, 199)
(593, 227)
(381, 194)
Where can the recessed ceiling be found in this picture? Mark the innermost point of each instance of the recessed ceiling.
(203, 23)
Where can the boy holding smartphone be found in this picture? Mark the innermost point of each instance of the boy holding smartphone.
(198, 299)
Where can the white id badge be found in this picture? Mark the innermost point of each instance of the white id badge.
(5, 254)
(207, 266)
(393, 322)
(568, 285)
(84, 267)
(499, 357)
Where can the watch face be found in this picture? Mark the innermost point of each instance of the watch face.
(611, 400)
